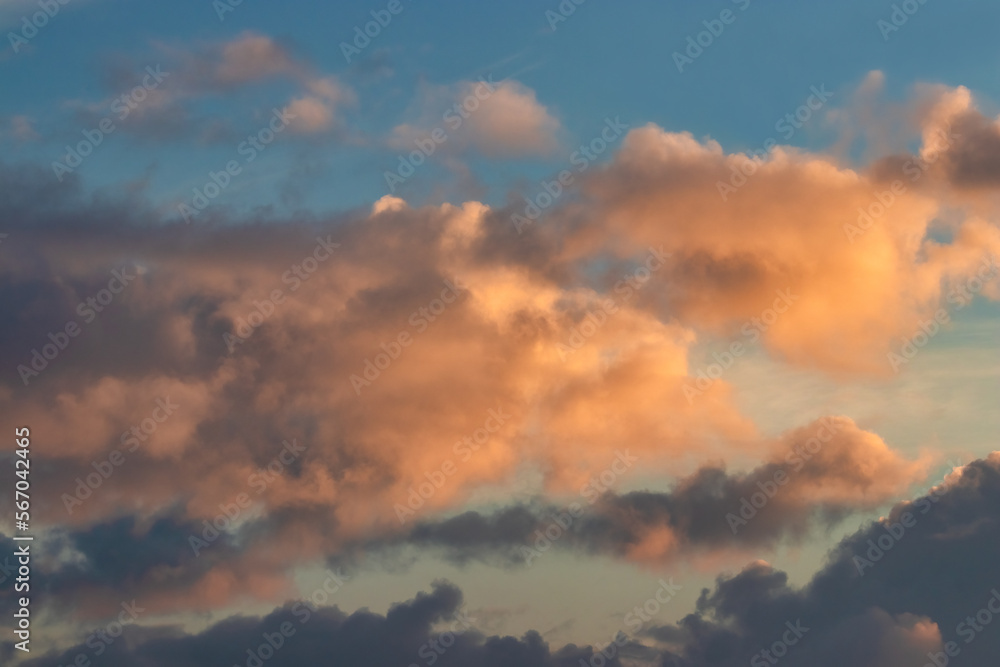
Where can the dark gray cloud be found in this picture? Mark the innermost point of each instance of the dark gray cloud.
(429, 629)
(942, 569)
(936, 576)
(971, 158)
(90, 570)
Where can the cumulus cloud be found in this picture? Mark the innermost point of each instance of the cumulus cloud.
(431, 626)
(957, 136)
(497, 119)
(165, 335)
(930, 581)
(315, 111)
(865, 273)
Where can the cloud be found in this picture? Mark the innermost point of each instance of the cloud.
(799, 222)
(817, 474)
(925, 591)
(495, 119)
(930, 579)
(22, 128)
(90, 571)
(315, 112)
(194, 73)
(251, 57)
(957, 136)
(431, 626)
(216, 67)
(511, 122)
(166, 335)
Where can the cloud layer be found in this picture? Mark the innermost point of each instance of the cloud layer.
(889, 613)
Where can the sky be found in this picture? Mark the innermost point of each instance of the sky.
(525, 333)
